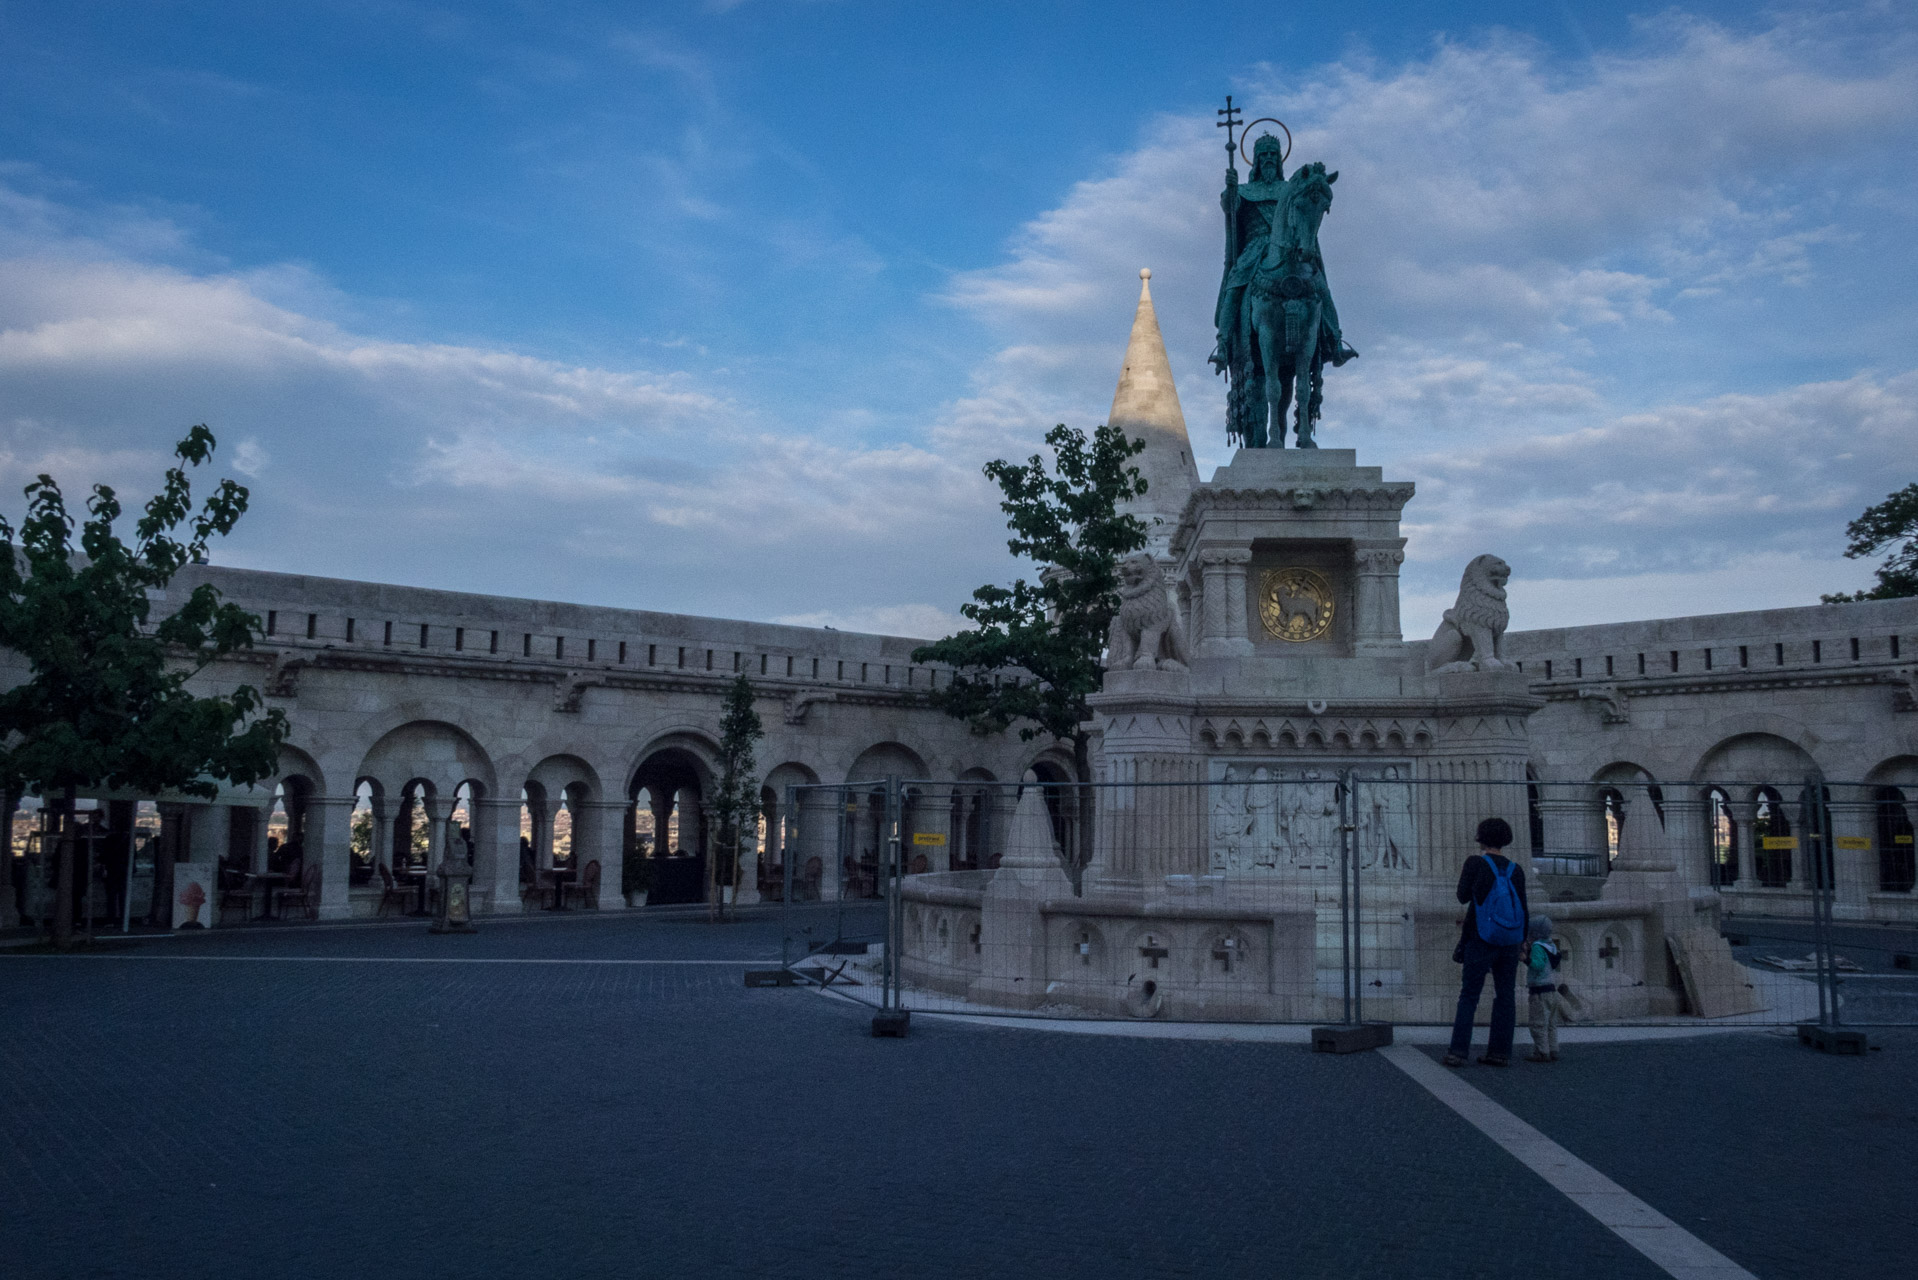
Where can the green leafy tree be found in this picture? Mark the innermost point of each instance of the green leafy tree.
(1065, 518)
(107, 704)
(736, 806)
(1893, 520)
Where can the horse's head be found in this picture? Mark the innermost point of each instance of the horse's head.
(1295, 224)
(1308, 197)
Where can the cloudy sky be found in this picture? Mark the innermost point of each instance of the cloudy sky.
(719, 308)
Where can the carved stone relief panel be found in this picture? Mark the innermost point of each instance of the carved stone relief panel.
(1280, 817)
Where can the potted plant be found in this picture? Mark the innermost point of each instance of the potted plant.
(636, 877)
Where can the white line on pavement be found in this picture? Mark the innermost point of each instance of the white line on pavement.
(1675, 1250)
(391, 960)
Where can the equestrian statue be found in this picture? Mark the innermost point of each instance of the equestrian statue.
(1277, 325)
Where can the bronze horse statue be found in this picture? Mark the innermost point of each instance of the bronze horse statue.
(1284, 317)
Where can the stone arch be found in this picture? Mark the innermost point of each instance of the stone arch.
(1754, 734)
(568, 790)
(434, 751)
(295, 763)
(676, 772)
(451, 713)
(1896, 771)
(1756, 757)
(694, 747)
(562, 772)
(781, 826)
(884, 759)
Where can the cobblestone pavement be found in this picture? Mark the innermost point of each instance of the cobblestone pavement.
(335, 1102)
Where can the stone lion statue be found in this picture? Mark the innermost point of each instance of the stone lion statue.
(1145, 634)
(1473, 630)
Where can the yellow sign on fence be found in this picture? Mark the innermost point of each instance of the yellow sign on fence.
(927, 837)
(1901, 839)
(1780, 842)
(1854, 842)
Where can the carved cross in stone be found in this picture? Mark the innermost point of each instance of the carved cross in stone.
(1223, 953)
(1153, 952)
(975, 937)
(1608, 951)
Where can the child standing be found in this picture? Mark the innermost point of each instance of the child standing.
(1541, 986)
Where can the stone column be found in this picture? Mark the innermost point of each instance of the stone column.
(329, 827)
(662, 806)
(382, 841)
(1566, 819)
(1222, 596)
(496, 835)
(206, 833)
(402, 830)
(598, 834)
(1146, 831)
(256, 856)
(1237, 619)
(435, 833)
(1377, 597)
(692, 821)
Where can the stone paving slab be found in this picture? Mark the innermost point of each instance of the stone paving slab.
(270, 1117)
(1792, 1162)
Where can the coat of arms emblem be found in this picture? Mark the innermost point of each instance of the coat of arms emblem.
(1295, 604)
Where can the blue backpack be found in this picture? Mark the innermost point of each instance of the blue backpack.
(1501, 920)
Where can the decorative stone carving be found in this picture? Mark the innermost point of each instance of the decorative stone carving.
(1617, 709)
(283, 677)
(1469, 637)
(1273, 818)
(1902, 698)
(797, 704)
(570, 689)
(1146, 634)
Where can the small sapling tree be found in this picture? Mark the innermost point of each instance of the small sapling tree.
(736, 806)
(106, 704)
(1065, 518)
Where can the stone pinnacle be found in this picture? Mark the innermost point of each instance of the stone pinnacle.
(1146, 406)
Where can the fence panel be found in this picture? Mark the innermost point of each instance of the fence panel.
(1291, 893)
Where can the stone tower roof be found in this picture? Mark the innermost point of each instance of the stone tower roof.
(1146, 406)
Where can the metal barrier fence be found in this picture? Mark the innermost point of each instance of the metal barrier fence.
(1285, 893)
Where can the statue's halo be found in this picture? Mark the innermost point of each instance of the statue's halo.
(1246, 151)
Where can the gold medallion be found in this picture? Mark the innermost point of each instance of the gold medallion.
(1295, 604)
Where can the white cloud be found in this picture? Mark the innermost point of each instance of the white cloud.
(921, 621)
(1612, 314)
(250, 458)
(1613, 317)
(461, 466)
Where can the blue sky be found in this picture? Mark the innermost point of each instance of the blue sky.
(719, 308)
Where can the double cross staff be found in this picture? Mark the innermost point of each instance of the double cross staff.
(1231, 122)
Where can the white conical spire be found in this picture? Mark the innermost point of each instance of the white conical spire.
(1146, 406)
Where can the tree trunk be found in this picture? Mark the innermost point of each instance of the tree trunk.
(63, 875)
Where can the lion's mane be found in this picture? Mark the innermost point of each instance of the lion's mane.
(1480, 598)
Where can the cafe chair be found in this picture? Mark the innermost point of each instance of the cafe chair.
(392, 892)
(586, 888)
(238, 891)
(305, 894)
